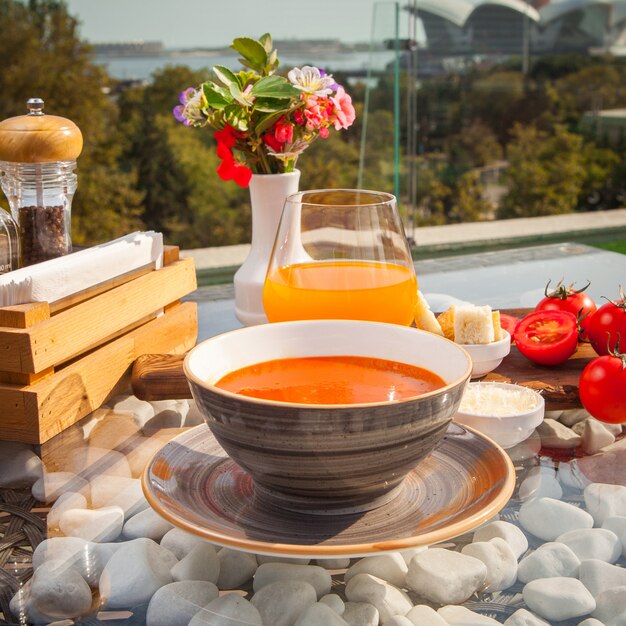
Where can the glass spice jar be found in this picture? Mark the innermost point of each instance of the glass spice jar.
(37, 161)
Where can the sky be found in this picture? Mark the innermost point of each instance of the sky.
(214, 23)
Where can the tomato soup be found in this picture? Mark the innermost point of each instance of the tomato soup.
(331, 380)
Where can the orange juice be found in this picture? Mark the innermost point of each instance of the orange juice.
(358, 290)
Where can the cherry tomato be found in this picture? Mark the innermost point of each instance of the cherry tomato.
(606, 324)
(602, 388)
(547, 337)
(509, 323)
(572, 300)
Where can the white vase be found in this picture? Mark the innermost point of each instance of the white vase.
(267, 197)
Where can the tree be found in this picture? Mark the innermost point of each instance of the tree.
(545, 172)
(43, 56)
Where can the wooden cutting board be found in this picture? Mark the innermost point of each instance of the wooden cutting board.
(161, 377)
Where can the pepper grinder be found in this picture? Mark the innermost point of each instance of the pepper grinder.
(37, 161)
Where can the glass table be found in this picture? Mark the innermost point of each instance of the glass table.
(100, 459)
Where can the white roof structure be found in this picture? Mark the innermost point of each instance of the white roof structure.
(459, 11)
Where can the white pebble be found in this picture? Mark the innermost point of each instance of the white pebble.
(409, 553)
(194, 417)
(499, 560)
(570, 475)
(617, 524)
(573, 416)
(147, 523)
(547, 518)
(118, 491)
(228, 610)
(604, 500)
(423, 615)
(134, 574)
(19, 465)
(333, 563)
(65, 502)
(89, 462)
(85, 557)
(558, 598)
(98, 525)
(399, 620)
(181, 543)
(236, 568)
(509, 532)
(200, 564)
(53, 484)
(58, 590)
(141, 410)
(611, 607)
(462, 616)
(22, 609)
(549, 560)
(361, 614)
(522, 617)
(334, 602)
(388, 599)
(599, 576)
(176, 603)
(444, 576)
(389, 567)
(316, 576)
(595, 436)
(281, 603)
(525, 450)
(320, 615)
(539, 482)
(593, 543)
(591, 621)
(555, 435)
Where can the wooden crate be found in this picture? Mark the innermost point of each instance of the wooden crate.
(58, 363)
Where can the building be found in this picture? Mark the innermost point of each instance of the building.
(515, 27)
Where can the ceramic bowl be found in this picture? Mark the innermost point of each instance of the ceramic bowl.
(486, 357)
(506, 430)
(327, 458)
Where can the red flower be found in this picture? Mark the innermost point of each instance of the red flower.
(299, 118)
(223, 151)
(226, 136)
(283, 132)
(229, 169)
(272, 142)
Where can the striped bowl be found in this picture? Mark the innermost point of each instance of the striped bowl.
(332, 459)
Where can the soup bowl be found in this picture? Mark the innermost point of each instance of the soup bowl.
(327, 458)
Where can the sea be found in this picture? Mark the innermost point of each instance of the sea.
(141, 68)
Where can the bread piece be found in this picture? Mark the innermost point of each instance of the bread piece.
(497, 327)
(424, 317)
(473, 324)
(446, 322)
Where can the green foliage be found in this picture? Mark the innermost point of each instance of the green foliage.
(545, 173)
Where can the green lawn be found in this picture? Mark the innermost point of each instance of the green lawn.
(613, 246)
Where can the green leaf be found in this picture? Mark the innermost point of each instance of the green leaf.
(235, 116)
(274, 87)
(225, 75)
(266, 41)
(237, 94)
(270, 105)
(266, 121)
(216, 97)
(251, 50)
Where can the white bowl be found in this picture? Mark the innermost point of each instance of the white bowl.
(506, 430)
(487, 356)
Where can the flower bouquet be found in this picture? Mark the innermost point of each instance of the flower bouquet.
(264, 121)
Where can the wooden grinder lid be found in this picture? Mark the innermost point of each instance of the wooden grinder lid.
(39, 138)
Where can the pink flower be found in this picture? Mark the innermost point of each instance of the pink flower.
(324, 132)
(344, 111)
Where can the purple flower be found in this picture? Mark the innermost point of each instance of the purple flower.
(189, 111)
(333, 86)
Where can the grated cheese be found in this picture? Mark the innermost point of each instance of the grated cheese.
(482, 399)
